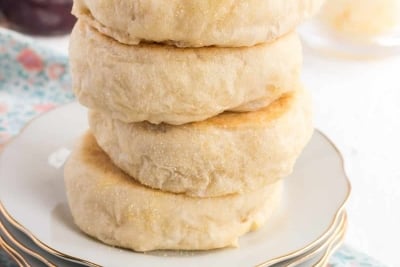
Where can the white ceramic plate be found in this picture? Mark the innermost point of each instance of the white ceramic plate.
(25, 246)
(32, 192)
(318, 253)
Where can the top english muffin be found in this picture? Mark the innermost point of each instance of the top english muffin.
(195, 23)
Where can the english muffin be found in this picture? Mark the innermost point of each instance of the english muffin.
(227, 154)
(195, 23)
(159, 83)
(109, 205)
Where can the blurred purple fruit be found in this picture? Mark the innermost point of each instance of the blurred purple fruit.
(39, 17)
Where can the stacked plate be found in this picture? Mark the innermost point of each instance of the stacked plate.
(35, 219)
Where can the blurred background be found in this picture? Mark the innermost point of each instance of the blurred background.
(352, 67)
(355, 28)
(37, 17)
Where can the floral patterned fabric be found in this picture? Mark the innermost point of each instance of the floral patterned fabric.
(348, 257)
(34, 80)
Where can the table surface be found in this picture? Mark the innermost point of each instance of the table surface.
(357, 104)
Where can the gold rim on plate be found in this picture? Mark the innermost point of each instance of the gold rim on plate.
(12, 253)
(270, 262)
(332, 248)
(325, 246)
(323, 262)
(4, 247)
(335, 219)
(11, 238)
(41, 244)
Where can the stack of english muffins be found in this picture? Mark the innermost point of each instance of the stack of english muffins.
(196, 114)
